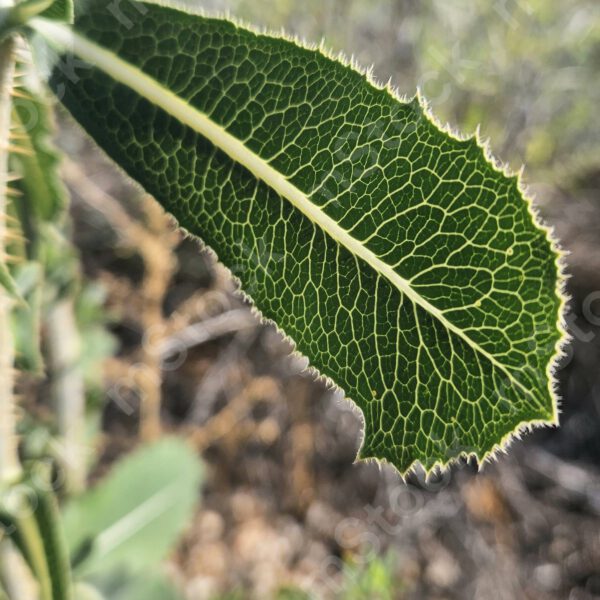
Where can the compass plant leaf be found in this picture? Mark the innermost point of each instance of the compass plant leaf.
(405, 264)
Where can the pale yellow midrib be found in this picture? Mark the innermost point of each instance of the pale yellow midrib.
(129, 75)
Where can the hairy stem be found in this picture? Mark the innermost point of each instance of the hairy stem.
(9, 462)
(15, 576)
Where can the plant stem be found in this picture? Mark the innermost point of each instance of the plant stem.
(158, 260)
(15, 575)
(9, 461)
(68, 391)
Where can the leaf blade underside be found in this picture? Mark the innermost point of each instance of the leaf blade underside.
(406, 266)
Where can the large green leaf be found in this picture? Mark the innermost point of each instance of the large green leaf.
(131, 519)
(404, 263)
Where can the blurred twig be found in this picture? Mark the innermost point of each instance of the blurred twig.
(223, 376)
(199, 333)
(155, 242)
(235, 415)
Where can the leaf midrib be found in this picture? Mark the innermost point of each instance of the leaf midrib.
(127, 74)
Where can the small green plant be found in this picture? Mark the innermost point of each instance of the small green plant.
(370, 577)
(400, 258)
(109, 541)
(374, 579)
